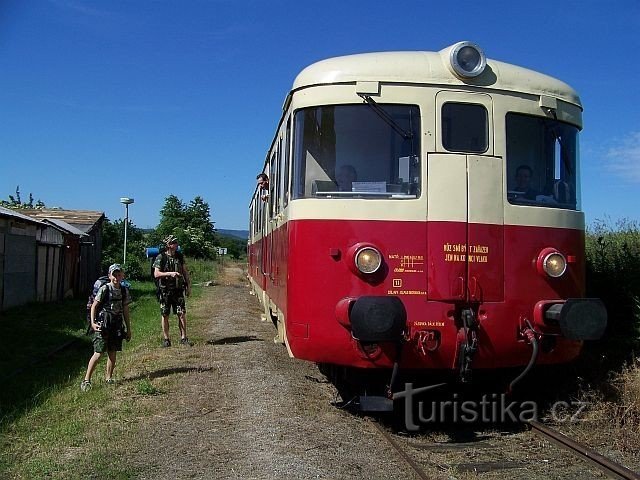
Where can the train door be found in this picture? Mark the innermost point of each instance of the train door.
(465, 203)
(276, 202)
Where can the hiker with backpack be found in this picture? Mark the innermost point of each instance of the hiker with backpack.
(172, 277)
(109, 320)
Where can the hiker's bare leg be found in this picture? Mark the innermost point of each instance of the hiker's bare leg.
(165, 326)
(111, 363)
(93, 361)
(182, 324)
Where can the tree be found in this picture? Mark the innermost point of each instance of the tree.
(113, 246)
(236, 248)
(172, 216)
(16, 202)
(191, 224)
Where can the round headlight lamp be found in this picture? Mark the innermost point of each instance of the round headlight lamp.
(552, 263)
(368, 260)
(467, 59)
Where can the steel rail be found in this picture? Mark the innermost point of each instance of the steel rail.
(609, 467)
(408, 460)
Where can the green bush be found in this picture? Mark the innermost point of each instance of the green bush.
(613, 274)
(137, 266)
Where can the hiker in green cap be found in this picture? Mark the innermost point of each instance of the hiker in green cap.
(170, 271)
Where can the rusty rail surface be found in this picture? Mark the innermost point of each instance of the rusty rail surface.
(400, 451)
(609, 467)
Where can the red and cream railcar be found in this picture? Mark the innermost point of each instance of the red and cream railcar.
(423, 209)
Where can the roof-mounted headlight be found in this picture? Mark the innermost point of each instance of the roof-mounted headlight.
(467, 59)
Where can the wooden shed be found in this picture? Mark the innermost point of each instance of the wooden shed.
(18, 234)
(71, 239)
(49, 263)
(90, 246)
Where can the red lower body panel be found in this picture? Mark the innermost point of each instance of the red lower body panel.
(435, 272)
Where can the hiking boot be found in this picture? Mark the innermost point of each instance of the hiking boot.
(185, 341)
(166, 343)
(85, 386)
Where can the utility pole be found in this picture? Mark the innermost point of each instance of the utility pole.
(126, 201)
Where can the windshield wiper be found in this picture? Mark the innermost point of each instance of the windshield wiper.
(563, 152)
(385, 116)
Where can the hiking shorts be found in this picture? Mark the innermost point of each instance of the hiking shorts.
(107, 343)
(172, 300)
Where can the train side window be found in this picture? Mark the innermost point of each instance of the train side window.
(273, 182)
(285, 171)
(465, 127)
(281, 169)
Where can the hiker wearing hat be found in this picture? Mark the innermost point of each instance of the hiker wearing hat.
(110, 323)
(171, 272)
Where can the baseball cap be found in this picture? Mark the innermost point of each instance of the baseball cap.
(170, 239)
(114, 267)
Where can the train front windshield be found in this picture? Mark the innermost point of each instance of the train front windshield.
(542, 162)
(357, 151)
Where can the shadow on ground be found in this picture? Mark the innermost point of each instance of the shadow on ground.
(165, 372)
(234, 340)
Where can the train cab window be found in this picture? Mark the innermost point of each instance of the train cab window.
(542, 162)
(465, 127)
(357, 151)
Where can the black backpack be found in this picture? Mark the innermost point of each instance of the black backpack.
(97, 285)
(163, 265)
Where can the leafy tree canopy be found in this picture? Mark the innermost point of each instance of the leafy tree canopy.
(190, 223)
(236, 248)
(16, 202)
(113, 248)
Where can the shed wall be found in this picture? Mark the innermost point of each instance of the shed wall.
(19, 275)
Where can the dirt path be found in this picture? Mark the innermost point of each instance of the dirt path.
(236, 406)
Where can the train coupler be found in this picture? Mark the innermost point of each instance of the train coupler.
(469, 344)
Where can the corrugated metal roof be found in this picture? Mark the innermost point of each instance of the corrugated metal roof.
(7, 212)
(65, 226)
(83, 220)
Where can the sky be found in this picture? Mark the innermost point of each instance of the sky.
(148, 98)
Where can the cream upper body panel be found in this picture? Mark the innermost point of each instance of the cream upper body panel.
(420, 78)
(430, 68)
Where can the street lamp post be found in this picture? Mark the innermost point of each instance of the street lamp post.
(126, 201)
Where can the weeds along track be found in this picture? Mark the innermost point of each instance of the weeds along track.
(526, 451)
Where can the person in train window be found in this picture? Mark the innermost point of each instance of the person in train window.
(263, 185)
(524, 174)
(345, 177)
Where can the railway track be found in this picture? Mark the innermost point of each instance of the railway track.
(605, 465)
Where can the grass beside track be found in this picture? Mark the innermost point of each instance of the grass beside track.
(48, 428)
